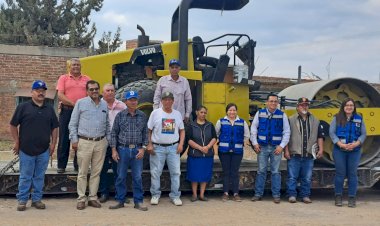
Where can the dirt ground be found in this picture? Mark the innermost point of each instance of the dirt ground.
(61, 211)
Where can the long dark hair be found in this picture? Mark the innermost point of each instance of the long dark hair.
(341, 117)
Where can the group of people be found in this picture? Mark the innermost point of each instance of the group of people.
(107, 133)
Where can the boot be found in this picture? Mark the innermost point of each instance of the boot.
(352, 202)
(338, 200)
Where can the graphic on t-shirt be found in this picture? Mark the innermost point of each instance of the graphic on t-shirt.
(168, 126)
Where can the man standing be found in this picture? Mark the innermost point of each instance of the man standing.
(129, 138)
(89, 127)
(306, 134)
(114, 107)
(35, 141)
(71, 87)
(179, 86)
(270, 134)
(166, 137)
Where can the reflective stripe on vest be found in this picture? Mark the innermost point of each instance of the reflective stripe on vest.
(270, 127)
(351, 131)
(231, 138)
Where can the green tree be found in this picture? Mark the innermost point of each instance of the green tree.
(107, 44)
(48, 22)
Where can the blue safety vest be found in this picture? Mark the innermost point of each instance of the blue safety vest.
(351, 131)
(231, 138)
(270, 127)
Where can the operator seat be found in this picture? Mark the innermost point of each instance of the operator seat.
(214, 69)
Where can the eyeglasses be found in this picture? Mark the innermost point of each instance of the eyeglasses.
(93, 89)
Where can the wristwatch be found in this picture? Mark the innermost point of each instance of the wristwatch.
(144, 147)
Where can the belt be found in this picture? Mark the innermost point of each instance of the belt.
(67, 107)
(300, 156)
(91, 138)
(131, 146)
(166, 145)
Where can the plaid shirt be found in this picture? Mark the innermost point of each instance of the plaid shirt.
(128, 129)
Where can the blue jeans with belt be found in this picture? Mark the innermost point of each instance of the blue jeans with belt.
(128, 158)
(346, 165)
(267, 152)
(299, 168)
(32, 175)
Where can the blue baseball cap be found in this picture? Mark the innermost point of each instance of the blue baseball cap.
(174, 62)
(131, 94)
(39, 84)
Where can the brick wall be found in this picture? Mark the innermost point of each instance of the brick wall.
(20, 66)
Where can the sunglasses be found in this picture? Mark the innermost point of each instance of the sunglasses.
(93, 89)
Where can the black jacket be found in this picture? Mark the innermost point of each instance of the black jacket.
(201, 137)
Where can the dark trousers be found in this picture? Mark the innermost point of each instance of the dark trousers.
(105, 181)
(64, 140)
(230, 165)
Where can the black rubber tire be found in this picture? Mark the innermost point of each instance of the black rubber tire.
(145, 88)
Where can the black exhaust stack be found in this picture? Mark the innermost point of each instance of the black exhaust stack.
(142, 40)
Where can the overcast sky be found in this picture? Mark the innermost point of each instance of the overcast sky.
(288, 33)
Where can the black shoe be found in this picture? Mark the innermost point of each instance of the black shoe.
(117, 206)
(103, 198)
(352, 202)
(61, 170)
(338, 200)
(141, 207)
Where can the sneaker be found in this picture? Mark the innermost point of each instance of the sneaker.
(39, 205)
(225, 197)
(306, 200)
(338, 200)
(352, 202)
(177, 202)
(292, 199)
(237, 198)
(21, 206)
(256, 198)
(154, 200)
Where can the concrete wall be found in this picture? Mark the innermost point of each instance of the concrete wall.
(21, 65)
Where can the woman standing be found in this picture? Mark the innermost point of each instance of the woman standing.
(200, 160)
(347, 132)
(233, 132)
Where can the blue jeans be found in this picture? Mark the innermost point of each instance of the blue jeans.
(230, 165)
(105, 181)
(302, 169)
(267, 152)
(346, 165)
(157, 162)
(32, 175)
(128, 158)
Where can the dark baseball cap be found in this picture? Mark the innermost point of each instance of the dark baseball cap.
(167, 95)
(174, 62)
(303, 100)
(39, 84)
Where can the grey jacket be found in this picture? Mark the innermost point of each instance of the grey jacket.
(295, 142)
